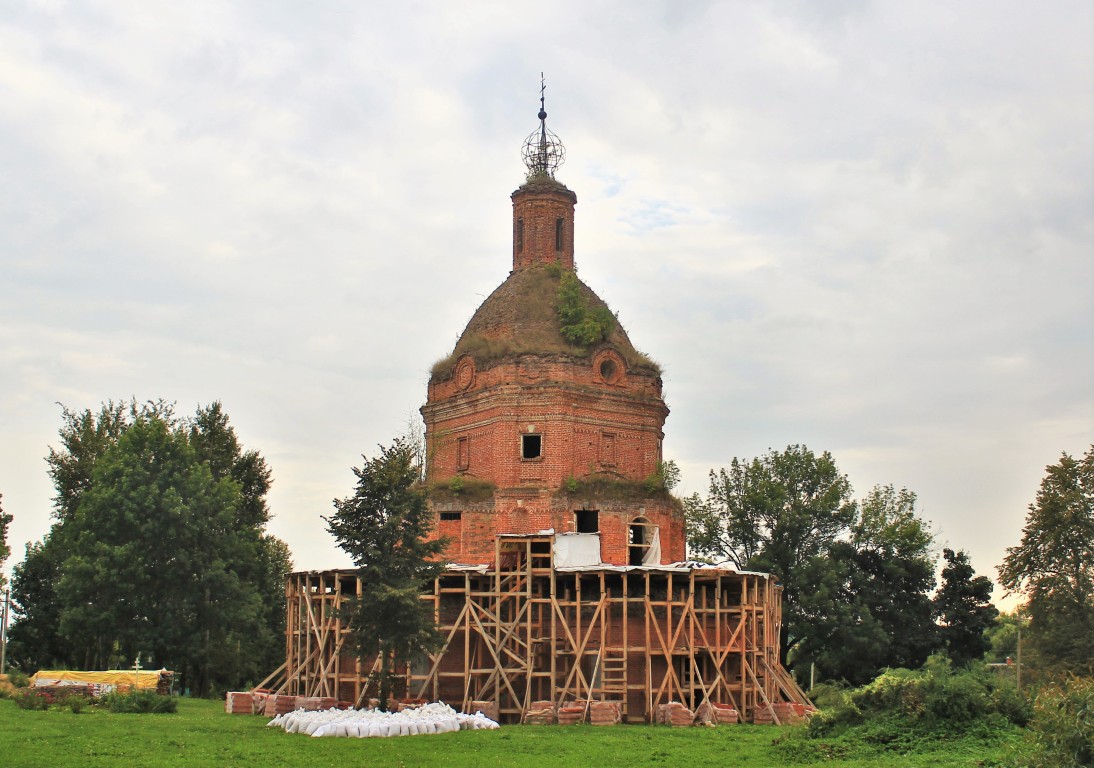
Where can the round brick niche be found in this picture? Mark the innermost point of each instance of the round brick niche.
(608, 367)
(465, 372)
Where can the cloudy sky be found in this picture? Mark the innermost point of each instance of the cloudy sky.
(865, 227)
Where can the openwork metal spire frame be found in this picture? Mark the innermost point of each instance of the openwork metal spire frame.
(543, 151)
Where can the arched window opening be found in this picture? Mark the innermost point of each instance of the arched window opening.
(644, 543)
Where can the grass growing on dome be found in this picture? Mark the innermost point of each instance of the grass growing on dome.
(462, 487)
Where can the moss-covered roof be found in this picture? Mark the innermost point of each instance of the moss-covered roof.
(521, 318)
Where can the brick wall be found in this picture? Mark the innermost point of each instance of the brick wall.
(519, 511)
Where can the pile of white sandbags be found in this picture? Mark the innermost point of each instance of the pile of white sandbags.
(372, 723)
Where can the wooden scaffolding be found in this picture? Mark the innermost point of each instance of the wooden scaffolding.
(525, 631)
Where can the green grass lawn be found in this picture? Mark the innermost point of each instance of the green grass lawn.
(200, 734)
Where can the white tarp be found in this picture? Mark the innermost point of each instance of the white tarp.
(653, 552)
(576, 550)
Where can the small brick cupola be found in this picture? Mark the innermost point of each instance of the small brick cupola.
(543, 225)
(527, 429)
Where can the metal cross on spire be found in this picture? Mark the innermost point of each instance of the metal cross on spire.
(543, 152)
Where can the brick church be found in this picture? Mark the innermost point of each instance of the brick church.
(530, 428)
(565, 596)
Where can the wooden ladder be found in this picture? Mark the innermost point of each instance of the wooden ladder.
(613, 672)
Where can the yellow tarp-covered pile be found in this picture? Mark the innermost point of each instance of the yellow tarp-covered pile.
(102, 681)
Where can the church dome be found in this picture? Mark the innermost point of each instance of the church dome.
(521, 317)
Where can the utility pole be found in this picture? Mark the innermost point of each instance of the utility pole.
(1018, 672)
(4, 630)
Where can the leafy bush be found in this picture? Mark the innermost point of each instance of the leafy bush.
(581, 324)
(828, 695)
(1061, 730)
(30, 698)
(139, 702)
(901, 706)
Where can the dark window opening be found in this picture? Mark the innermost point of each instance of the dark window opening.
(531, 446)
(448, 516)
(608, 369)
(520, 234)
(559, 223)
(463, 455)
(587, 520)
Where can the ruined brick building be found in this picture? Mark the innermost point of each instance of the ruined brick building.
(553, 433)
(567, 580)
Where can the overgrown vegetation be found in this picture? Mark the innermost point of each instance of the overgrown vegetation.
(902, 711)
(605, 486)
(580, 323)
(463, 487)
(77, 698)
(139, 702)
(1061, 732)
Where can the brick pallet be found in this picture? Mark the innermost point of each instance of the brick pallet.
(571, 714)
(605, 712)
(239, 703)
(675, 714)
(540, 713)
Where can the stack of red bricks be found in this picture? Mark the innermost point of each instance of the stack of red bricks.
(572, 713)
(675, 714)
(279, 704)
(540, 713)
(725, 714)
(605, 712)
(315, 703)
(763, 715)
(239, 703)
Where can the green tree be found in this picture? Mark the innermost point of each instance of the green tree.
(151, 561)
(383, 528)
(779, 513)
(35, 639)
(85, 437)
(882, 614)
(1002, 636)
(963, 608)
(159, 549)
(1053, 566)
(856, 577)
(264, 560)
